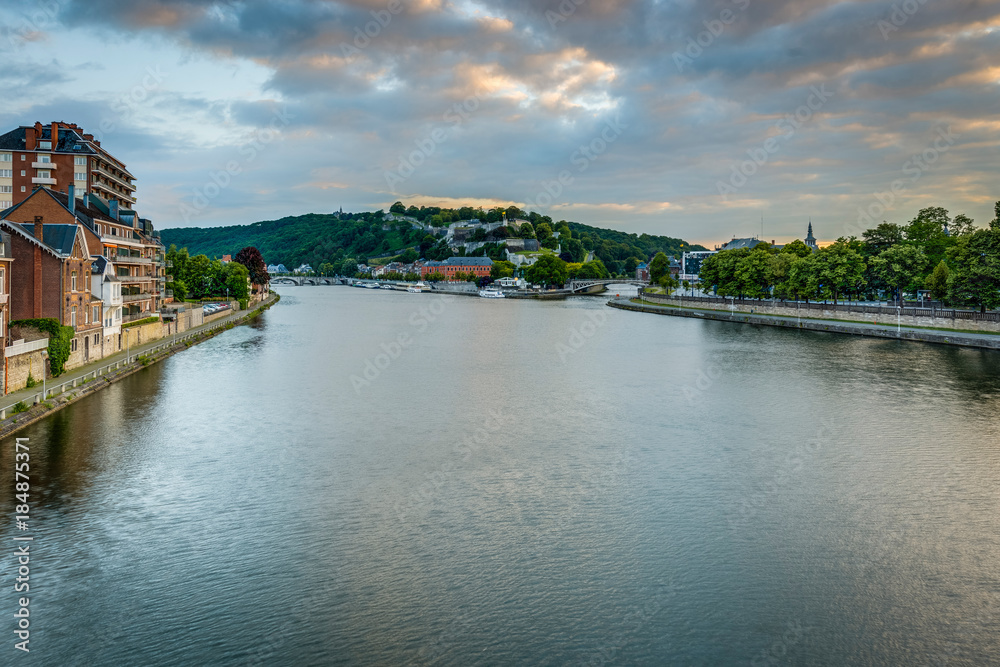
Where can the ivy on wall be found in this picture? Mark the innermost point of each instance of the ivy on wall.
(60, 340)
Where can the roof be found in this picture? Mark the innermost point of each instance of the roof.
(25, 231)
(741, 243)
(5, 251)
(85, 214)
(467, 261)
(68, 141)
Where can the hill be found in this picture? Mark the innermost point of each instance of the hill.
(319, 238)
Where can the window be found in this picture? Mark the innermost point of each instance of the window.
(80, 176)
(22, 157)
(44, 158)
(2, 332)
(80, 161)
(97, 315)
(23, 173)
(6, 173)
(3, 282)
(97, 338)
(72, 284)
(5, 189)
(72, 320)
(6, 157)
(23, 189)
(45, 145)
(72, 345)
(44, 173)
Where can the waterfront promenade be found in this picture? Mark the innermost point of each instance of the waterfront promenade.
(925, 334)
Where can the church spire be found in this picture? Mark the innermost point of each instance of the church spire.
(810, 239)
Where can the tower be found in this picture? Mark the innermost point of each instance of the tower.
(810, 239)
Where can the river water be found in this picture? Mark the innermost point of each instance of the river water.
(375, 478)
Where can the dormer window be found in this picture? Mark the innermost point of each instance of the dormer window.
(45, 145)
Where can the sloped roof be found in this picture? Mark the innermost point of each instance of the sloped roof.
(67, 141)
(741, 243)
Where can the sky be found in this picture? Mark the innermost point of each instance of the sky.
(699, 120)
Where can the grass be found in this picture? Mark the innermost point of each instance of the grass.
(19, 407)
(819, 319)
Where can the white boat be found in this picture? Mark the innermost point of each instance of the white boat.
(417, 288)
(491, 293)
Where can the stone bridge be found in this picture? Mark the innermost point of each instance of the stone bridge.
(307, 280)
(589, 285)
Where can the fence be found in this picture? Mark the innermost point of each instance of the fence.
(21, 347)
(944, 313)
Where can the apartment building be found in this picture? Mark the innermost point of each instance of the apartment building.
(57, 156)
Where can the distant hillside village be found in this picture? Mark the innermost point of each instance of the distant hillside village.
(82, 275)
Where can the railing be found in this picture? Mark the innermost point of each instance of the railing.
(22, 347)
(131, 259)
(843, 307)
(135, 279)
(138, 316)
(131, 298)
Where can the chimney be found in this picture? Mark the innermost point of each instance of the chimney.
(86, 200)
(113, 208)
(55, 135)
(38, 228)
(71, 198)
(29, 137)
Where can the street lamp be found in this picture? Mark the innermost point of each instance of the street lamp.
(898, 311)
(45, 354)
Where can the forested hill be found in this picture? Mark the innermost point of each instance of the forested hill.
(318, 238)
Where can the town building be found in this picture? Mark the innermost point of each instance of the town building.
(57, 156)
(52, 280)
(810, 239)
(642, 272)
(480, 266)
(107, 287)
(6, 258)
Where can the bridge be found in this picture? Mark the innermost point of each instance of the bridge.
(307, 280)
(589, 285)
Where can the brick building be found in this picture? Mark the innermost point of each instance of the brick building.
(480, 266)
(57, 156)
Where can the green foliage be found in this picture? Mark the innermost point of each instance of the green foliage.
(19, 407)
(937, 281)
(31, 382)
(549, 270)
(60, 341)
(594, 270)
(668, 283)
(435, 277)
(502, 269)
(841, 268)
(145, 320)
(901, 268)
(976, 275)
(251, 258)
(658, 267)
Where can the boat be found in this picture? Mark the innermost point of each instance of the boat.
(417, 288)
(491, 293)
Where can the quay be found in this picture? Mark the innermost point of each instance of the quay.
(941, 336)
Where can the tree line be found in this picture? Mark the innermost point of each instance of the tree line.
(956, 262)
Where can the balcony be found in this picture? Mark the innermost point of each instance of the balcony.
(128, 280)
(137, 316)
(118, 180)
(130, 259)
(36, 180)
(132, 298)
(43, 165)
(114, 193)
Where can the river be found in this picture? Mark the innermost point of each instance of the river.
(374, 478)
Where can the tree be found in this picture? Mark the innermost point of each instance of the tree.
(937, 281)
(543, 231)
(797, 248)
(548, 270)
(901, 268)
(753, 273)
(927, 231)
(398, 208)
(962, 225)
(526, 231)
(502, 269)
(235, 277)
(326, 269)
(803, 277)
(975, 259)
(435, 277)
(881, 238)
(574, 248)
(668, 283)
(408, 256)
(251, 258)
(658, 266)
(841, 268)
(594, 270)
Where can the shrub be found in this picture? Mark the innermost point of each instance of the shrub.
(31, 382)
(60, 340)
(20, 407)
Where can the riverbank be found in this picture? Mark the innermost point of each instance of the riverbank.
(27, 406)
(927, 335)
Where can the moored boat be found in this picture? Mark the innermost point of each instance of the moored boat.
(491, 293)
